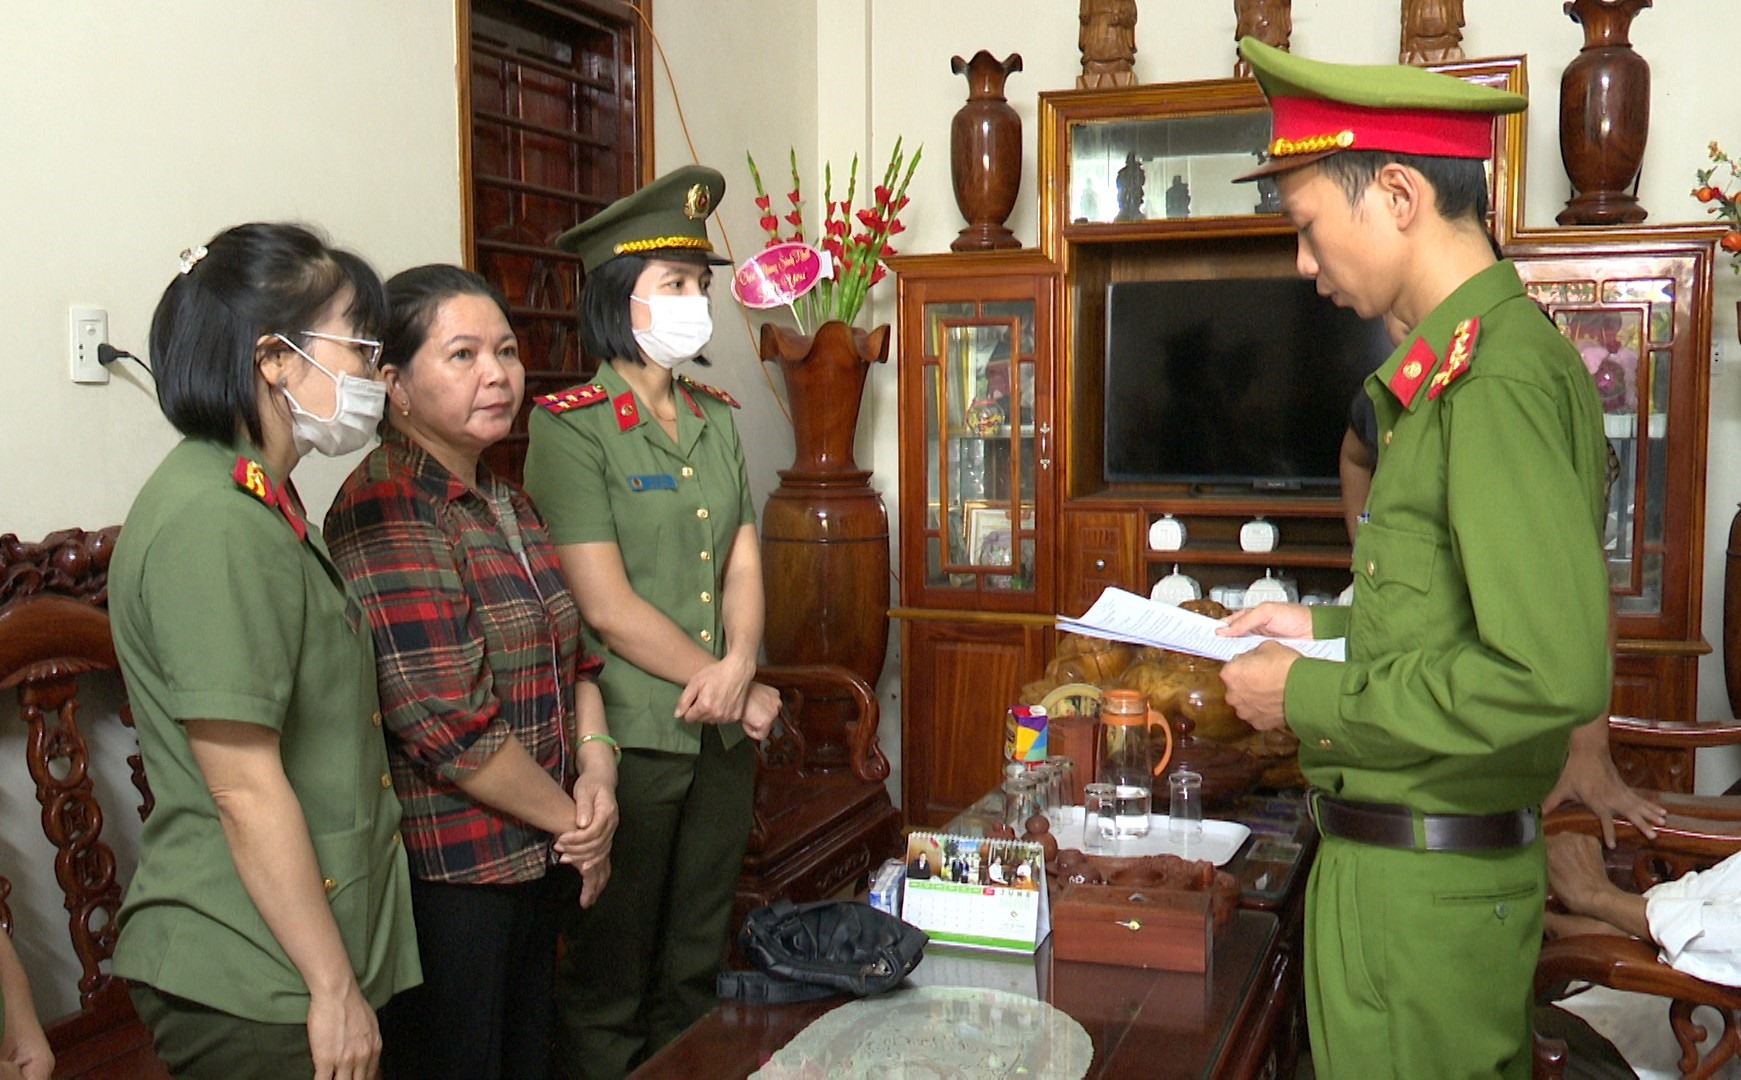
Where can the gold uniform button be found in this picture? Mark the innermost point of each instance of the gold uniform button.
(707, 598)
(386, 780)
(707, 635)
(328, 884)
(1388, 436)
(1323, 744)
(702, 513)
(1371, 568)
(686, 472)
(375, 719)
(706, 556)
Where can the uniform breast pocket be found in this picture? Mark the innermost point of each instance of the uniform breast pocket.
(1393, 574)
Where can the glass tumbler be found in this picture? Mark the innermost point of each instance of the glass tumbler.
(1063, 782)
(1099, 818)
(1185, 812)
(1020, 802)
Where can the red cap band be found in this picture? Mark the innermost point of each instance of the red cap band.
(1313, 125)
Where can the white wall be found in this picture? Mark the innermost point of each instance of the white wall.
(131, 131)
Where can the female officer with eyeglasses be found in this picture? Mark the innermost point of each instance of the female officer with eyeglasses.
(270, 915)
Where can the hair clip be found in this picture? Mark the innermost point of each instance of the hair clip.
(190, 256)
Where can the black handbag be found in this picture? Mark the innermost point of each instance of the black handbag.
(808, 951)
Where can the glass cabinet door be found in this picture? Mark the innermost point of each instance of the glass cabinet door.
(1626, 331)
(981, 444)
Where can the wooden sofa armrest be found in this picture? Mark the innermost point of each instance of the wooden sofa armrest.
(831, 681)
(1624, 963)
(1673, 734)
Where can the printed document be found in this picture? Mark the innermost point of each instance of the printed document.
(1124, 616)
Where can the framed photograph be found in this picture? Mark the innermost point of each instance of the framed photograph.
(988, 536)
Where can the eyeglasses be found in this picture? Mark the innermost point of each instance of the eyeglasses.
(367, 348)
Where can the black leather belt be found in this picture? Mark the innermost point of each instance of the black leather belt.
(1395, 826)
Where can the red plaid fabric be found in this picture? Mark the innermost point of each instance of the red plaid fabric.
(469, 649)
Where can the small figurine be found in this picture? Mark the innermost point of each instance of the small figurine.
(1179, 198)
(1269, 21)
(1130, 189)
(1107, 40)
(1432, 31)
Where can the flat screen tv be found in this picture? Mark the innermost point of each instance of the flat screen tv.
(1231, 382)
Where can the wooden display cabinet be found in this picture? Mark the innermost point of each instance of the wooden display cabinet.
(1637, 303)
(970, 611)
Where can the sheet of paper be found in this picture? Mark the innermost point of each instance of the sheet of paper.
(1124, 616)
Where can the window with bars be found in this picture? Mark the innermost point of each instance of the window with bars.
(559, 107)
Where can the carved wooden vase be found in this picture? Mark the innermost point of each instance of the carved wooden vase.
(985, 153)
(1732, 616)
(1604, 115)
(825, 532)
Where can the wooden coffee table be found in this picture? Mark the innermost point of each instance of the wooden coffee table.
(1239, 1021)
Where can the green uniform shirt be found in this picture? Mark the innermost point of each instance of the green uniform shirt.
(1478, 636)
(220, 612)
(600, 473)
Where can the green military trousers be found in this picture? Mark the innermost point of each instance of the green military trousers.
(1421, 963)
(640, 965)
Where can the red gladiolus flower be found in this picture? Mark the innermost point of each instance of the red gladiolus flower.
(885, 252)
(793, 196)
(879, 273)
(883, 195)
(794, 218)
(869, 219)
(902, 205)
(896, 227)
(762, 202)
(770, 222)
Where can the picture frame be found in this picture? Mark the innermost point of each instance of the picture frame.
(989, 542)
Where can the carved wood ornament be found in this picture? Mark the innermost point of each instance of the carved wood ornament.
(1432, 31)
(1269, 21)
(1107, 40)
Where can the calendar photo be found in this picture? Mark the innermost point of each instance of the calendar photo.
(975, 891)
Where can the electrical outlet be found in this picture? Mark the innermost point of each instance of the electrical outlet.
(87, 327)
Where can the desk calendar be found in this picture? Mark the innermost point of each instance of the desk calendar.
(976, 891)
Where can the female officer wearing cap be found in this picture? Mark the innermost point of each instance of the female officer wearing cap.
(642, 480)
(271, 912)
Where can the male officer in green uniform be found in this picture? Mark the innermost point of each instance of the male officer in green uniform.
(1477, 637)
(642, 479)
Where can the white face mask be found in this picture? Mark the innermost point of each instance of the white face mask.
(357, 407)
(682, 327)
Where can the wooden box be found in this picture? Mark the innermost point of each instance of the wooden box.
(1164, 929)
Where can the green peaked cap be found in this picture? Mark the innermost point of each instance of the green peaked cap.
(668, 214)
(1378, 86)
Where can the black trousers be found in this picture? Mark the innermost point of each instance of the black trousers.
(484, 1011)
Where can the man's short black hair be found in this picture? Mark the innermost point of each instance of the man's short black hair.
(255, 280)
(1459, 184)
(605, 331)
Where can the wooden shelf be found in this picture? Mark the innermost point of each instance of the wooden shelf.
(1285, 555)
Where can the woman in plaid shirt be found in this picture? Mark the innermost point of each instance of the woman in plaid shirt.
(487, 694)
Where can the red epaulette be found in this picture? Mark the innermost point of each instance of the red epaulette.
(573, 398)
(710, 391)
(251, 477)
(1405, 381)
(1457, 358)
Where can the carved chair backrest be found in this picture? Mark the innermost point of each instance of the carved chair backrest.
(54, 628)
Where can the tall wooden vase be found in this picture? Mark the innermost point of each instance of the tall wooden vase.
(985, 153)
(1732, 616)
(1604, 115)
(825, 532)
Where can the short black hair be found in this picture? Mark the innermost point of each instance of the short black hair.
(414, 296)
(1459, 184)
(254, 280)
(605, 331)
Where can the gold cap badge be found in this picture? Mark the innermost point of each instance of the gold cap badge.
(697, 203)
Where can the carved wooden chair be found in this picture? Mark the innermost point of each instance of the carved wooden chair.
(53, 628)
(1700, 832)
(822, 817)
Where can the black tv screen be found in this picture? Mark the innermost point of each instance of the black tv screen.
(1243, 382)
